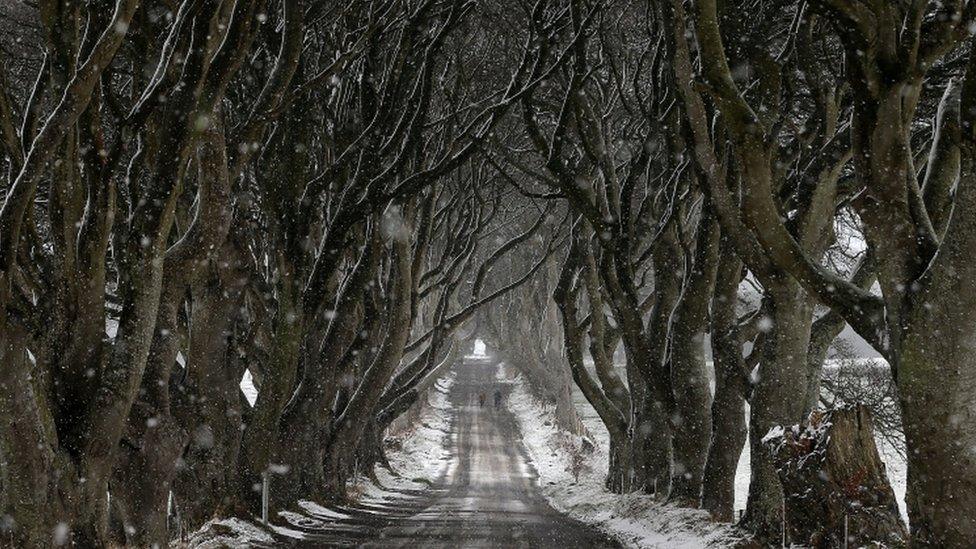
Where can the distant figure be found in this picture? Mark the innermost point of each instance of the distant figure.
(498, 399)
(481, 400)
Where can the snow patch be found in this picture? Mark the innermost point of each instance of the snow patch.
(294, 519)
(421, 456)
(300, 520)
(316, 510)
(773, 434)
(228, 532)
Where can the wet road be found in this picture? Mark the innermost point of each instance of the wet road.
(486, 497)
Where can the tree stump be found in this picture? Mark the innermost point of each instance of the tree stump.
(830, 470)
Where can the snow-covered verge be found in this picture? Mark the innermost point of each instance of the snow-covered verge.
(228, 532)
(418, 459)
(420, 453)
(636, 520)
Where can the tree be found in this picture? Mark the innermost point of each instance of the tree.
(911, 232)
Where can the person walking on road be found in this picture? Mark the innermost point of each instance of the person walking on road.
(498, 399)
(481, 400)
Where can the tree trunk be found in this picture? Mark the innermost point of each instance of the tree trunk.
(724, 449)
(371, 451)
(50, 473)
(148, 451)
(650, 435)
(210, 404)
(936, 370)
(260, 432)
(621, 474)
(143, 477)
(778, 399)
(937, 384)
(728, 406)
(652, 427)
(348, 428)
(32, 468)
(119, 384)
(835, 482)
(306, 423)
(692, 420)
(620, 469)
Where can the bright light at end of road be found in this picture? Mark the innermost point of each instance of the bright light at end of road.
(480, 350)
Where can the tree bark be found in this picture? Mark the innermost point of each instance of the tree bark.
(728, 405)
(692, 420)
(153, 440)
(209, 403)
(936, 384)
(778, 399)
(620, 466)
(835, 483)
(278, 381)
(32, 470)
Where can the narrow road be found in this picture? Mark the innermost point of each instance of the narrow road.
(487, 497)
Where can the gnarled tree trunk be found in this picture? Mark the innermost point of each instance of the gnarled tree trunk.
(834, 482)
(728, 405)
(778, 399)
(692, 420)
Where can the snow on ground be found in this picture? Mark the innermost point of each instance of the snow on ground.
(420, 459)
(422, 454)
(637, 520)
(228, 532)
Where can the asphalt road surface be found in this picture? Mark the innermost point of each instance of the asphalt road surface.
(487, 496)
